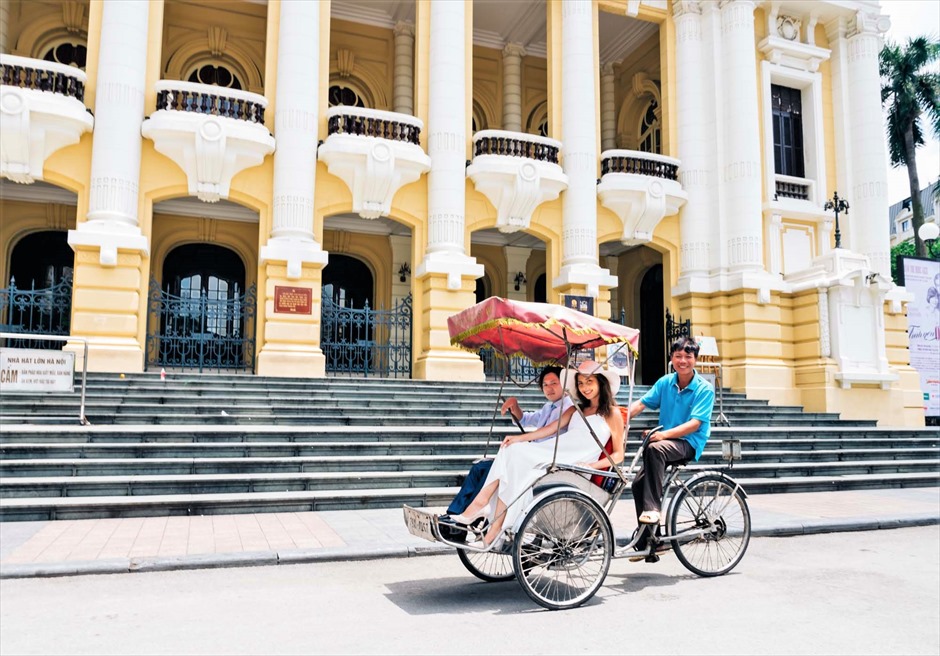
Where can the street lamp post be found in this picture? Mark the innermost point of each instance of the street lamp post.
(928, 234)
(839, 205)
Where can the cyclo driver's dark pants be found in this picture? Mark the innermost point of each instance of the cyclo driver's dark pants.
(648, 485)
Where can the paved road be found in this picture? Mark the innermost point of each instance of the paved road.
(874, 592)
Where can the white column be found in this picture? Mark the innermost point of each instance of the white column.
(295, 125)
(447, 147)
(512, 87)
(695, 150)
(608, 108)
(740, 165)
(4, 27)
(115, 154)
(868, 197)
(403, 87)
(579, 151)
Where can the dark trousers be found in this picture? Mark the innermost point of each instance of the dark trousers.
(648, 485)
(471, 487)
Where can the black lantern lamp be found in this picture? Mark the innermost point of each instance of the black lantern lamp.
(519, 280)
(839, 205)
(403, 272)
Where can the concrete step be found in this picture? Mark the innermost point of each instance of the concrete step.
(131, 485)
(36, 509)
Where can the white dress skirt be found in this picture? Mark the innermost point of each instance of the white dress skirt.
(518, 466)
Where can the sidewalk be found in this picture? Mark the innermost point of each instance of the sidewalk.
(111, 546)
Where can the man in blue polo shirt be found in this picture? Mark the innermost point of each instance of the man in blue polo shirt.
(685, 401)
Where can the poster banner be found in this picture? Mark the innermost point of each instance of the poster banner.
(36, 370)
(922, 279)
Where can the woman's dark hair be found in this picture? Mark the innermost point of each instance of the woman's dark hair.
(605, 400)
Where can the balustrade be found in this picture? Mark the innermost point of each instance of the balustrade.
(513, 145)
(210, 100)
(639, 163)
(383, 125)
(788, 189)
(42, 76)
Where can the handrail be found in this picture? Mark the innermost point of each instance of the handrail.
(516, 144)
(60, 338)
(180, 96)
(639, 163)
(358, 121)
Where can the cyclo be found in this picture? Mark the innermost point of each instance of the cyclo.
(561, 546)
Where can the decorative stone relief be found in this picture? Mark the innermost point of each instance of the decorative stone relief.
(374, 167)
(34, 123)
(211, 150)
(217, 37)
(516, 185)
(788, 27)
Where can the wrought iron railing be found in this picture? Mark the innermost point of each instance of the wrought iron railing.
(173, 95)
(42, 76)
(639, 163)
(365, 341)
(374, 123)
(199, 332)
(515, 144)
(45, 311)
(519, 368)
(676, 327)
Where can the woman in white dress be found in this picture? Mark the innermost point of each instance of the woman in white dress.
(520, 461)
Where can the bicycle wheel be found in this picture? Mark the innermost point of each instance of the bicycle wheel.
(562, 551)
(714, 512)
(491, 567)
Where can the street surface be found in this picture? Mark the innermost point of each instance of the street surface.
(875, 592)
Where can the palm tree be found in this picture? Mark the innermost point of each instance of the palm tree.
(907, 91)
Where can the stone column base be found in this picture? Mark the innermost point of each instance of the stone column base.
(109, 309)
(290, 341)
(437, 358)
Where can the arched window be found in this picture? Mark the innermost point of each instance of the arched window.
(342, 95)
(650, 130)
(478, 118)
(215, 75)
(69, 54)
(537, 122)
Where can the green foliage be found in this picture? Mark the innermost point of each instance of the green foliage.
(910, 91)
(904, 248)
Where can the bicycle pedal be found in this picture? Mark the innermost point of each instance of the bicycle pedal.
(652, 558)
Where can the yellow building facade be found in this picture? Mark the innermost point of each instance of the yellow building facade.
(233, 179)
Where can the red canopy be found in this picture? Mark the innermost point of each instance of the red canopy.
(542, 332)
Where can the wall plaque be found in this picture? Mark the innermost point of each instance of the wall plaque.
(293, 300)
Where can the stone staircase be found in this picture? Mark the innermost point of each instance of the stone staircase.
(225, 444)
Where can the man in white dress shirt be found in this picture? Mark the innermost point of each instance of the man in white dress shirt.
(550, 382)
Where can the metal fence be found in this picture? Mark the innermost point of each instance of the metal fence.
(200, 332)
(366, 341)
(46, 311)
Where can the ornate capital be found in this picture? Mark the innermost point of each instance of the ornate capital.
(870, 24)
(682, 8)
(404, 28)
(514, 50)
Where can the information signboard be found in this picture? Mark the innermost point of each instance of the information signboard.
(36, 370)
(921, 277)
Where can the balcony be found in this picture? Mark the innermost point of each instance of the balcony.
(42, 107)
(375, 153)
(789, 188)
(641, 189)
(212, 133)
(517, 172)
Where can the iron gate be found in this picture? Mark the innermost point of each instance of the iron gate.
(200, 332)
(367, 342)
(675, 328)
(45, 311)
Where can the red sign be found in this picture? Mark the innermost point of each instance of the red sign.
(293, 300)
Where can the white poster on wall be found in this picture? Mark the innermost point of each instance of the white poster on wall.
(922, 279)
(36, 370)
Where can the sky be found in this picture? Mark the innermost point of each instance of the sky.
(911, 18)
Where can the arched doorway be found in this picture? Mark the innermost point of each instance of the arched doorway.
(356, 337)
(348, 282)
(652, 364)
(201, 315)
(539, 294)
(38, 299)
